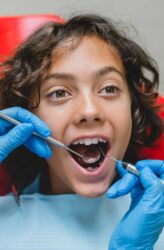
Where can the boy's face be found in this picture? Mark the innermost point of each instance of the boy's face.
(85, 100)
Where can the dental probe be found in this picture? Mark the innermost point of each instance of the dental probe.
(130, 167)
(48, 139)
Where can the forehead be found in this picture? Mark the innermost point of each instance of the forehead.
(87, 53)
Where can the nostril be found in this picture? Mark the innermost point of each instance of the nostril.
(83, 120)
(90, 119)
(97, 119)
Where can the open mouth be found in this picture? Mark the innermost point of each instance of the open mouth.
(93, 152)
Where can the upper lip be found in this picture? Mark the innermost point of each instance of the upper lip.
(90, 137)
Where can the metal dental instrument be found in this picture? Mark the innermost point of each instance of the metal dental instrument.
(48, 139)
(128, 166)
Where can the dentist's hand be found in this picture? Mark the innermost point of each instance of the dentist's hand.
(13, 136)
(142, 224)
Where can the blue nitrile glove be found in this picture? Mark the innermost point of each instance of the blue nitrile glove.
(12, 136)
(144, 221)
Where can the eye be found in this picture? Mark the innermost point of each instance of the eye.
(59, 94)
(110, 90)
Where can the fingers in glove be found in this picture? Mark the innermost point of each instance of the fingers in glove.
(14, 138)
(129, 181)
(157, 166)
(38, 146)
(154, 188)
(25, 116)
(124, 185)
(122, 171)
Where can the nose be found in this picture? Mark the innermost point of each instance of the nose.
(89, 110)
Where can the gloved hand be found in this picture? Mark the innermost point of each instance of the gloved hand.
(13, 136)
(144, 221)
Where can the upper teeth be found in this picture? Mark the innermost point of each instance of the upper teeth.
(89, 141)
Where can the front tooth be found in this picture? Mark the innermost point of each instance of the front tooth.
(87, 141)
(90, 169)
(75, 143)
(81, 141)
(95, 140)
(103, 140)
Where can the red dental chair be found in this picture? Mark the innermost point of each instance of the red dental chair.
(13, 31)
(157, 151)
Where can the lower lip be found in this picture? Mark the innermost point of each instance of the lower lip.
(100, 172)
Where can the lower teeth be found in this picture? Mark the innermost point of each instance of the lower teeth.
(90, 169)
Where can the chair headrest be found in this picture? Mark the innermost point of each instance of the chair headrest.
(15, 29)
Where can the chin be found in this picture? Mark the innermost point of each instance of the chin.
(92, 192)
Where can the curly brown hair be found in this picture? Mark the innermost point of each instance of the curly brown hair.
(22, 75)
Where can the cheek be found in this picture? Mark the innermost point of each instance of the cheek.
(124, 116)
(123, 127)
(56, 119)
(119, 114)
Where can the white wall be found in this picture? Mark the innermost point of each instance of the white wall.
(146, 15)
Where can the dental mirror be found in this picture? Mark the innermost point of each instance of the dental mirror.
(90, 156)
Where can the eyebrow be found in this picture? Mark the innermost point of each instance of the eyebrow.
(108, 70)
(102, 72)
(60, 76)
